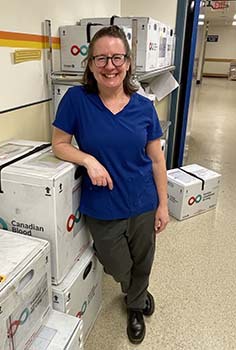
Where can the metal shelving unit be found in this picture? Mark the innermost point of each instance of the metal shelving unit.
(64, 76)
(142, 77)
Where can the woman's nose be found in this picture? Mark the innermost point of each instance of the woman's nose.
(109, 63)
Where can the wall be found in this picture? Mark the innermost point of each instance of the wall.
(26, 83)
(224, 48)
(153, 8)
(30, 123)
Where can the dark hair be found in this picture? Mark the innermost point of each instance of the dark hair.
(88, 80)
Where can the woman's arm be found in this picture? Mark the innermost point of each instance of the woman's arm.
(156, 154)
(63, 149)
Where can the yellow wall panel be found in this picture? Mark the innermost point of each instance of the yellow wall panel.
(31, 123)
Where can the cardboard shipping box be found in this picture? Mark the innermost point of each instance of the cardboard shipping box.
(192, 189)
(148, 38)
(25, 288)
(80, 293)
(40, 197)
(58, 332)
(75, 41)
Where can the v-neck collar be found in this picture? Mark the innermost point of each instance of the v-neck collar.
(99, 100)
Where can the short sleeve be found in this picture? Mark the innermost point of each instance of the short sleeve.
(65, 116)
(154, 130)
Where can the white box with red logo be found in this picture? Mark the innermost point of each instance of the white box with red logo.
(75, 41)
(58, 332)
(147, 38)
(25, 288)
(192, 189)
(80, 293)
(40, 197)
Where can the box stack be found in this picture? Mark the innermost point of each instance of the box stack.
(192, 189)
(40, 197)
(154, 42)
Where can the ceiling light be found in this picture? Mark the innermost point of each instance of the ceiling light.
(201, 16)
(201, 23)
(234, 23)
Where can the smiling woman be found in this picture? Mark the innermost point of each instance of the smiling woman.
(124, 187)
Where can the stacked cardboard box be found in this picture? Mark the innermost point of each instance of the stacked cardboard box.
(25, 288)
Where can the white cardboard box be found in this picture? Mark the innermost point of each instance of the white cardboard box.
(12, 149)
(59, 91)
(147, 38)
(162, 53)
(170, 46)
(40, 197)
(25, 288)
(189, 195)
(58, 332)
(80, 293)
(75, 43)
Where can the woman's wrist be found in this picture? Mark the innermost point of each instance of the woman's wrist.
(86, 160)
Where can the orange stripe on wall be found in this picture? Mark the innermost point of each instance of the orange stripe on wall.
(27, 37)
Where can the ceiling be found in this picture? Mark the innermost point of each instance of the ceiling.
(219, 16)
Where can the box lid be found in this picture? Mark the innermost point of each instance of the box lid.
(42, 164)
(11, 149)
(16, 251)
(201, 172)
(182, 178)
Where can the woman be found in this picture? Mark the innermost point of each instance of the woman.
(124, 191)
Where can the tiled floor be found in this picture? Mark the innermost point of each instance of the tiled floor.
(194, 273)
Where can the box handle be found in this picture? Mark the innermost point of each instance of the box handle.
(25, 280)
(78, 172)
(87, 270)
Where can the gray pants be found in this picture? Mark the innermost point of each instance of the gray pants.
(126, 250)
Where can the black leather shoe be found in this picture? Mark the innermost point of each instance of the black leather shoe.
(150, 305)
(136, 327)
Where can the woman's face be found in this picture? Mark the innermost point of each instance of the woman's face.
(110, 76)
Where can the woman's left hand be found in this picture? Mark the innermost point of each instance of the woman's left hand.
(161, 218)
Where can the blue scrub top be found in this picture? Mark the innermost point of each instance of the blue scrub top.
(118, 142)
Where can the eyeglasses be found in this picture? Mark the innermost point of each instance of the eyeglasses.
(102, 60)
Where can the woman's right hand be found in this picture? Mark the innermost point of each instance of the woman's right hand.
(97, 173)
(63, 149)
